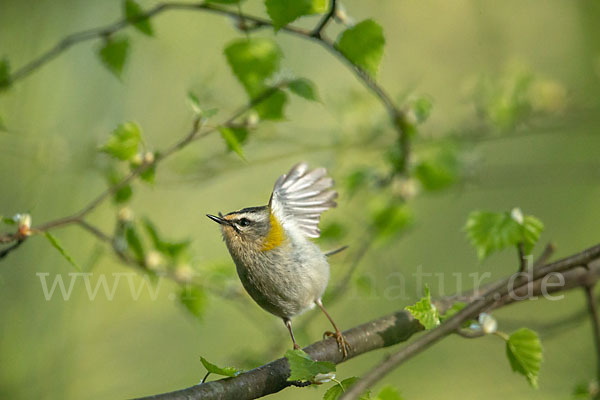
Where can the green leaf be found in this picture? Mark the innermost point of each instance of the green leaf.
(304, 368)
(133, 13)
(391, 219)
(213, 369)
(56, 244)
(171, 249)
(585, 390)
(421, 107)
(149, 174)
(425, 312)
(358, 179)
(8, 220)
(319, 6)
(114, 54)
(134, 242)
(532, 229)
(282, 12)
(272, 107)
(123, 194)
(223, 1)
(363, 44)
(252, 61)
(233, 140)
(124, 141)
(197, 109)
(304, 88)
(438, 169)
(388, 392)
(334, 392)
(194, 300)
(490, 231)
(524, 352)
(456, 307)
(4, 74)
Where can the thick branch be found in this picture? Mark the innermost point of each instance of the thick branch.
(497, 291)
(386, 331)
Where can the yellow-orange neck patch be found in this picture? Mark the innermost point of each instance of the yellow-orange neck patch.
(276, 235)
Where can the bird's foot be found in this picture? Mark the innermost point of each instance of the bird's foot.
(341, 341)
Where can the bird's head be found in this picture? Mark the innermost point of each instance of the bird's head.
(254, 229)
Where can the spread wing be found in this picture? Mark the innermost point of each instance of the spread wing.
(300, 196)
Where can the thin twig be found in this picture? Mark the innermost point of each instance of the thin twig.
(545, 256)
(522, 257)
(10, 248)
(593, 313)
(325, 20)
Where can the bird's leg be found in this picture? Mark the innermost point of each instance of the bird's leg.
(288, 323)
(342, 344)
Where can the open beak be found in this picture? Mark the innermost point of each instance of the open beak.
(219, 219)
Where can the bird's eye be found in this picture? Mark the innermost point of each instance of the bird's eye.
(244, 222)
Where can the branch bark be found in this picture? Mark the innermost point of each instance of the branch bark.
(387, 331)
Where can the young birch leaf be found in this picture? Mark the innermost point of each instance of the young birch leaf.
(193, 299)
(133, 14)
(388, 393)
(272, 108)
(232, 141)
(304, 88)
(438, 169)
(304, 368)
(490, 231)
(524, 352)
(114, 54)
(124, 141)
(171, 249)
(252, 61)
(282, 12)
(56, 244)
(4, 74)
(334, 392)
(456, 307)
(319, 6)
(425, 312)
(213, 369)
(363, 44)
(391, 219)
(134, 242)
(532, 229)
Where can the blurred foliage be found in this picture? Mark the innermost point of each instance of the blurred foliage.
(384, 193)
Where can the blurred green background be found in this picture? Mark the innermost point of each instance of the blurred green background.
(50, 167)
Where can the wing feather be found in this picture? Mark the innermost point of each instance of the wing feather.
(301, 196)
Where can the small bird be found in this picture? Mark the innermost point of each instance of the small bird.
(280, 268)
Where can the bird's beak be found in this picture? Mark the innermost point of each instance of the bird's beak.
(219, 220)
